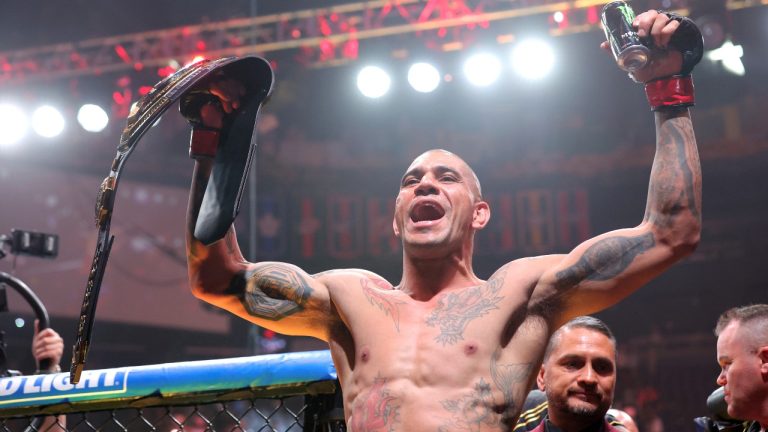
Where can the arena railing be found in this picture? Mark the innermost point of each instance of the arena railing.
(277, 392)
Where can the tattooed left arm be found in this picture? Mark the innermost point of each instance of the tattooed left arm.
(603, 270)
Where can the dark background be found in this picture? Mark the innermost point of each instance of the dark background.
(583, 136)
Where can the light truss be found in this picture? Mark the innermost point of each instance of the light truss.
(328, 34)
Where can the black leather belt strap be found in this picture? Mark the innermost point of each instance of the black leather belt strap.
(257, 76)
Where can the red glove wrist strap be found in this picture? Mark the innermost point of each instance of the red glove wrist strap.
(670, 92)
(203, 142)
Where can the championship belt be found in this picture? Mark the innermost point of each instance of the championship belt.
(228, 177)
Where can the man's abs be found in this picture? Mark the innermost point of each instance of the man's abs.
(409, 381)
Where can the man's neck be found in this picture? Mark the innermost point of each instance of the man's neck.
(575, 425)
(425, 278)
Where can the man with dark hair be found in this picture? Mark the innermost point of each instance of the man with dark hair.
(742, 352)
(443, 349)
(578, 376)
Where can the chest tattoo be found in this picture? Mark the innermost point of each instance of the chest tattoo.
(385, 303)
(455, 310)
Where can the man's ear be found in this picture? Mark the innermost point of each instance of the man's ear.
(481, 216)
(395, 228)
(762, 353)
(540, 379)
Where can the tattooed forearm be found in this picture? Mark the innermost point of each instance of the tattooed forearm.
(385, 303)
(230, 240)
(199, 183)
(675, 185)
(455, 310)
(272, 291)
(605, 259)
(200, 177)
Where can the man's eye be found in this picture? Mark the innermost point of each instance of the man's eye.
(449, 178)
(409, 181)
(603, 369)
(573, 365)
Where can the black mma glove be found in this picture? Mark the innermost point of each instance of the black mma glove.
(676, 92)
(688, 40)
(204, 141)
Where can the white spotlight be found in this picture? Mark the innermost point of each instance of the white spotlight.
(482, 69)
(533, 59)
(373, 82)
(47, 121)
(423, 77)
(13, 125)
(92, 118)
(558, 17)
(730, 55)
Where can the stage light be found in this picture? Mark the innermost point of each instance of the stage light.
(92, 118)
(373, 82)
(482, 69)
(13, 125)
(712, 30)
(712, 18)
(423, 77)
(558, 17)
(532, 59)
(730, 55)
(47, 121)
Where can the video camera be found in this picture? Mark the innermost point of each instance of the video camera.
(32, 243)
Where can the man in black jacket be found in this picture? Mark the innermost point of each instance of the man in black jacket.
(576, 382)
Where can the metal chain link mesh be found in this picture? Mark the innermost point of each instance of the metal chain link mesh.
(268, 415)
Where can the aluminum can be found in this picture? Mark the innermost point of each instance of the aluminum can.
(627, 48)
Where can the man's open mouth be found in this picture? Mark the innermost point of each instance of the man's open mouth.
(427, 211)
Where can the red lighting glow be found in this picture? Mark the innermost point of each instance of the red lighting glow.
(165, 71)
(122, 53)
(592, 15)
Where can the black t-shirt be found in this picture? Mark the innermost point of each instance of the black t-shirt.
(535, 410)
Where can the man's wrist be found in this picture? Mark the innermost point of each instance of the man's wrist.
(56, 369)
(203, 142)
(670, 93)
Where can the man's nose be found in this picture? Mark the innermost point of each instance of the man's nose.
(426, 186)
(721, 381)
(588, 376)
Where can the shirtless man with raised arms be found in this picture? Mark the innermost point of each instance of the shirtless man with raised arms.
(444, 350)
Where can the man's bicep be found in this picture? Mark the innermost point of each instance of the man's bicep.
(276, 291)
(279, 296)
(603, 270)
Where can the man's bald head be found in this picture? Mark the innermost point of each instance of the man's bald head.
(463, 166)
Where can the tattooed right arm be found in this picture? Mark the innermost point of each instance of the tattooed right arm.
(277, 296)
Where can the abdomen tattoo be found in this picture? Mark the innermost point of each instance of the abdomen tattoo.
(377, 411)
